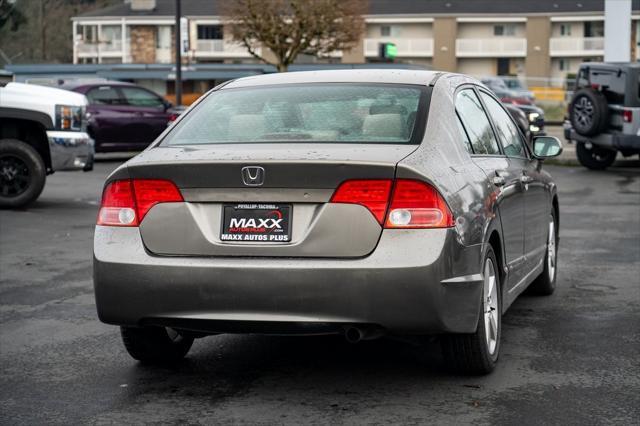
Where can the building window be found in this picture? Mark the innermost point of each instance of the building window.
(389, 31)
(563, 64)
(163, 37)
(565, 29)
(89, 33)
(594, 29)
(209, 32)
(504, 30)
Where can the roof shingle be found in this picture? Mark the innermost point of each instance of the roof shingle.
(388, 7)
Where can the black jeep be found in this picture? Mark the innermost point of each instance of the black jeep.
(604, 113)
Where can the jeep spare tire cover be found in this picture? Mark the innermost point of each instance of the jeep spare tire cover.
(588, 112)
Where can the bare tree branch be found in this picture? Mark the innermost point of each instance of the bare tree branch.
(289, 28)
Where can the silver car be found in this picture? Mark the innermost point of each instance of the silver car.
(362, 202)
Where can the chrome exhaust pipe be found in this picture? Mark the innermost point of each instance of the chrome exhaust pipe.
(353, 334)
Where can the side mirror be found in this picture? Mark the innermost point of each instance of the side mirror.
(546, 147)
(167, 104)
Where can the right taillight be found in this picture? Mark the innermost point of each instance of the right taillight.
(405, 203)
(415, 204)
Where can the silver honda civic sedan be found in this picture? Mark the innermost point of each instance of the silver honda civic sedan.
(361, 202)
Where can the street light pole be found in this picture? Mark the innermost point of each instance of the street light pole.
(178, 32)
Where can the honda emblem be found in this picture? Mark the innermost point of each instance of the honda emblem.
(252, 175)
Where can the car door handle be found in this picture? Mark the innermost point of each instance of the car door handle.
(498, 181)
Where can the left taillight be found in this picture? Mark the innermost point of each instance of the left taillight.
(126, 202)
(416, 204)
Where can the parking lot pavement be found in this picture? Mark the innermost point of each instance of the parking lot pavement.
(571, 358)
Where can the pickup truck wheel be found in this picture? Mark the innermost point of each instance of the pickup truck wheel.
(588, 112)
(155, 344)
(594, 157)
(22, 173)
(477, 353)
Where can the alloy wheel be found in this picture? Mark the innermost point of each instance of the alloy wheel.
(551, 250)
(583, 110)
(14, 176)
(490, 304)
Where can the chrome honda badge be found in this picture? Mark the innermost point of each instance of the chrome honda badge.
(252, 175)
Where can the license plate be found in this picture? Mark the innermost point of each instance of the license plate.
(256, 222)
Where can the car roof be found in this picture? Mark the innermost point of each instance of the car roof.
(611, 65)
(396, 76)
(76, 84)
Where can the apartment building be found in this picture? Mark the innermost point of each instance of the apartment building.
(543, 40)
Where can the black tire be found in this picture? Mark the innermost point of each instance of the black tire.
(545, 284)
(22, 173)
(470, 353)
(588, 112)
(594, 157)
(155, 344)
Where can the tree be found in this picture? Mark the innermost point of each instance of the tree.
(288, 28)
(10, 15)
(40, 30)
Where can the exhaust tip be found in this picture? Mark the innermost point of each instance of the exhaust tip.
(353, 334)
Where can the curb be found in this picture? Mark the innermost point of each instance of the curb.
(569, 162)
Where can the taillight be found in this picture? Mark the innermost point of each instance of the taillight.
(126, 202)
(118, 207)
(415, 204)
(410, 203)
(627, 115)
(371, 193)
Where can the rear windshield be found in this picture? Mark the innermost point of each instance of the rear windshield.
(313, 113)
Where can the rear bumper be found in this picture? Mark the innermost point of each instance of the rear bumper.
(617, 141)
(414, 282)
(70, 150)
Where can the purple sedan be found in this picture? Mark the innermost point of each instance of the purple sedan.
(123, 116)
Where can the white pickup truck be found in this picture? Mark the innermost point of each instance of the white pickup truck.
(42, 130)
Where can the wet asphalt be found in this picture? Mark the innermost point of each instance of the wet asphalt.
(572, 358)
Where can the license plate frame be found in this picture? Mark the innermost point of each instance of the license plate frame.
(256, 222)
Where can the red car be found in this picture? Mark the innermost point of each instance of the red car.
(123, 116)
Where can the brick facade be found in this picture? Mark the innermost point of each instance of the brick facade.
(143, 44)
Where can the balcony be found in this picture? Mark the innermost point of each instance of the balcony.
(497, 47)
(576, 46)
(219, 48)
(111, 48)
(407, 47)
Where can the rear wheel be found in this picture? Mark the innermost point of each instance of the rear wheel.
(22, 173)
(477, 353)
(594, 157)
(545, 284)
(155, 344)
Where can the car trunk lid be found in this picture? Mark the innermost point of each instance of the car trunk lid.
(297, 184)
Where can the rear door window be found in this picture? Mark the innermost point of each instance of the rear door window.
(104, 95)
(508, 133)
(463, 135)
(141, 98)
(476, 123)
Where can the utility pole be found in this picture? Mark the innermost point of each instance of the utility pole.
(178, 32)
